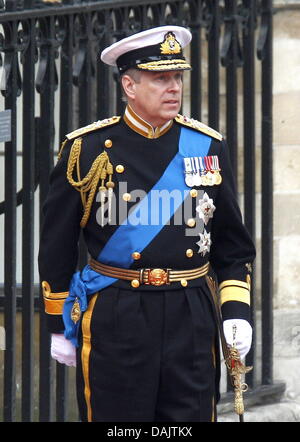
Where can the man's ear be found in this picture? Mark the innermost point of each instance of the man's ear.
(129, 86)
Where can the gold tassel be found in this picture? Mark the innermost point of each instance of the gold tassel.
(87, 186)
(110, 186)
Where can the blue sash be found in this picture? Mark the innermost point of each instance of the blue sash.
(132, 237)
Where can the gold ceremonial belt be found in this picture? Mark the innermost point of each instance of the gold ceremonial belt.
(152, 276)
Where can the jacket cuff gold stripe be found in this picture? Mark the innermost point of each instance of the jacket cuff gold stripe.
(53, 302)
(54, 306)
(234, 283)
(233, 293)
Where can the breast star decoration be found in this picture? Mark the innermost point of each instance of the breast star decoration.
(204, 243)
(205, 208)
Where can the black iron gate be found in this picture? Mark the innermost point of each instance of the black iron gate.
(52, 83)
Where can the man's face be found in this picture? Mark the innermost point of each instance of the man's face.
(156, 97)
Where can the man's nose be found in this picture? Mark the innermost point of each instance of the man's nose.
(174, 84)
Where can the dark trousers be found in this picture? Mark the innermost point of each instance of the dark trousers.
(148, 356)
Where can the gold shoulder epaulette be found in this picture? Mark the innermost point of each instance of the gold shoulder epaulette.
(91, 127)
(197, 125)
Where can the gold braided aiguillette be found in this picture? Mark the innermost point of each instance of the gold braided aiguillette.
(100, 169)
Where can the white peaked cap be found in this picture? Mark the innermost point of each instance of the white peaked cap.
(158, 48)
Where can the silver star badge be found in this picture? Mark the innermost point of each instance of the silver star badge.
(204, 243)
(205, 208)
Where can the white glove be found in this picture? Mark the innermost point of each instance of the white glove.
(63, 350)
(243, 335)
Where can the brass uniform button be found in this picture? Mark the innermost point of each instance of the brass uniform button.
(193, 193)
(120, 168)
(184, 282)
(135, 283)
(189, 253)
(126, 197)
(191, 222)
(136, 255)
(108, 143)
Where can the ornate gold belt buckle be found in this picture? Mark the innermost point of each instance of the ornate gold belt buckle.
(157, 277)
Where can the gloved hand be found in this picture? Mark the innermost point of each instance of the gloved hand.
(243, 335)
(63, 350)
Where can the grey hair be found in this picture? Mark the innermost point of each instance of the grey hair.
(135, 74)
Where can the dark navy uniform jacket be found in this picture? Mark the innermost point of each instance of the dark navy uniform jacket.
(139, 156)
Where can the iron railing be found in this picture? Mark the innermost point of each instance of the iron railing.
(52, 82)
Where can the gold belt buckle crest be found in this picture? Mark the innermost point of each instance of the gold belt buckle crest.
(157, 277)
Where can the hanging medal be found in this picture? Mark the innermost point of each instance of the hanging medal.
(203, 171)
(212, 169)
(197, 177)
(193, 170)
(205, 208)
(209, 174)
(218, 178)
(188, 171)
(204, 243)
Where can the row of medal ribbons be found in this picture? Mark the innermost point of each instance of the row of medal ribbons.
(202, 171)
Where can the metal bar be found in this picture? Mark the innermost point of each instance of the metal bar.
(267, 195)
(230, 57)
(249, 148)
(62, 400)
(85, 96)
(117, 85)
(11, 88)
(65, 126)
(196, 77)
(103, 77)
(122, 29)
(103, 91)
(213, 65)
(118, 90)
(66, 80)
(28, 226)
(85, 81)
(6, 16)
(249, 117)
(46, 85)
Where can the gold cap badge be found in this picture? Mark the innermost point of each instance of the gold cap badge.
(170, 45)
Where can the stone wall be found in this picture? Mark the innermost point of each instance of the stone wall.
(287, 158)
(287, 196)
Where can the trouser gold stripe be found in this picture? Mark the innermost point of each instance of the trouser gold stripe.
(214, 364)
(213, 410)
(85, 353)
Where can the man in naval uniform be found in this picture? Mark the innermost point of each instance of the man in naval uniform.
(154, 194)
